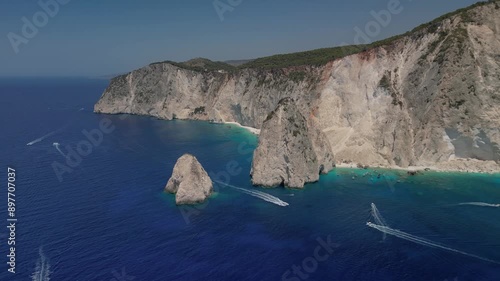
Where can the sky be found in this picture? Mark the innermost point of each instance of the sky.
(93, 38)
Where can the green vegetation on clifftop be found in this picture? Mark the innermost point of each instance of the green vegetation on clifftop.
(322, 56)
(201, 64)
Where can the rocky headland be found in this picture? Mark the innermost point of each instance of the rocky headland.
(427, 98)
(291, 152)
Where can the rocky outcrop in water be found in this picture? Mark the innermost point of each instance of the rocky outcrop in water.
(291, 151)
(429, 98)
(189, 181)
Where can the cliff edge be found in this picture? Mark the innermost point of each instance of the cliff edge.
(428, 98)
(291, 152)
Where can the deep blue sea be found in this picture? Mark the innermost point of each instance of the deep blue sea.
(107, 217)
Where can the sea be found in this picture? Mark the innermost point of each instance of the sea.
(90, 204)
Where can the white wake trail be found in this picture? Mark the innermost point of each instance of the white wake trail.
(378, 218)
(421, 241)
(56, 145)
(258, 194)
(42, 270)
(41, 139)
(481, 204)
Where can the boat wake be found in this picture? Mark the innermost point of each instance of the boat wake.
(481, 204)
(259, 194)
(56, 145)
(421, 241)
(42, 270)
(41, 139)
(379, 219)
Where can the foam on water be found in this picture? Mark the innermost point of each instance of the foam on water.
(41, 138)
(481, 204)
(258, 194)
(42, 270)
(56, 145)
(378, 218)
(421, 241)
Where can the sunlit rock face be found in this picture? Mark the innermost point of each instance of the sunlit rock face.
(288, 150)
(189, 181)
(392, 106)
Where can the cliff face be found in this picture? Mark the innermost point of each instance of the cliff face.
(169, 92)
(430, 98)
(290, 152)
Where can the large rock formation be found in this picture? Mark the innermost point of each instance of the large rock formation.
(189, 181)
(429, 98)
(291, 150)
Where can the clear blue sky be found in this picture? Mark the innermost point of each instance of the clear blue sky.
(93, 37)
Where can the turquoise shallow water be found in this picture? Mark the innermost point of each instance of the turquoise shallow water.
(110, 218)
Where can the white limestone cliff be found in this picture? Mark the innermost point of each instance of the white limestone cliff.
(430, 98)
